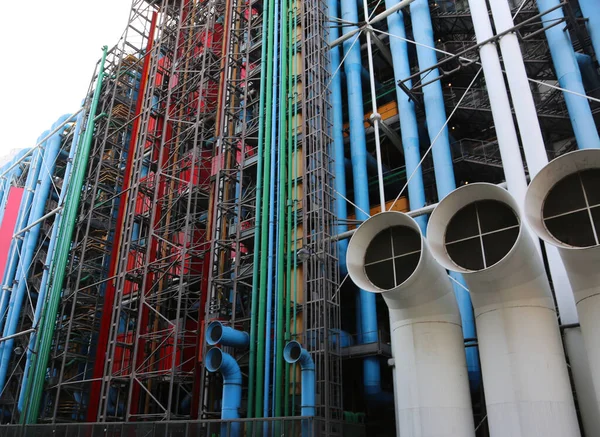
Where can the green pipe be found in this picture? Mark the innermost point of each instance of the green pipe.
(295, 176)
(257, 224)
(279, 330)
(58, 265)
(260, 353)
(288, 274)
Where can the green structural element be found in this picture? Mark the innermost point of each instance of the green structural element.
(264, 234)
(58, 266)
(257, 224)
(281, 246)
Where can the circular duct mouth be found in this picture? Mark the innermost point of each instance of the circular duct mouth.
(392, 256)
(214, 359)
(214, 333)
(292, 352)
(571, 209)
(481, 234)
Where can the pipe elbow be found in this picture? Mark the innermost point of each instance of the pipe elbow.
(219, 361)
(295, 353)
(217, 333)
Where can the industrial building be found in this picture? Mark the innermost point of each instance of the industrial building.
(314, 218)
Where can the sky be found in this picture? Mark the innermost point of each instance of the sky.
(49, 51)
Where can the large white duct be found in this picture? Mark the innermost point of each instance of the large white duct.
(562, 206)
(388, 255)
(476, 231)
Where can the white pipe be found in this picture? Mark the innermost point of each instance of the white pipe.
(525, 376)
(512, 164)
(431, 385)
(581, 260)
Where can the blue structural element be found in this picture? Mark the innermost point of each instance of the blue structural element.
(337, 120)
(435, 113)
(409, 128)
(358, 152)
(49, 254)
(569, 76)
(217, 333)
(590, 11)
(30, 239)
(591, 79)
(219, 361)
(22, 218)
(7, 179)
(294, 353)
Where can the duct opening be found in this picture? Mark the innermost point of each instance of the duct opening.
(214, 359)
(481, 234)
(392, 256)
(216, 332)
(571, 210)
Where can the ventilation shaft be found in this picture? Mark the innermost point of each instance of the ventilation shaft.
(388, 255)
(477, 231)
(562, 206)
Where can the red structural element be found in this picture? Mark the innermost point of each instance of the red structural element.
(109, 294)
(7, 228)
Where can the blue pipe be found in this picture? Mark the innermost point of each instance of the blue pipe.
(217, 333)
(294, 353)
(49, 255)
(30, 240)
(337, 120)
(219, 361)
(590, 10)
(22, 218)
(358, 152)
(9, 178)
(591, 79)
(435, 113)
(569, 77)
(5, 183)
(409, 128)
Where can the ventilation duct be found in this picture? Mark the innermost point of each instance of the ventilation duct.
(388, 255)
(562, 206)
(477, 231)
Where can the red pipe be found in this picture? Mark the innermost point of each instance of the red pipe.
(109, 294)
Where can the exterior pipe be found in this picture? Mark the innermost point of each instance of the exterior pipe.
(569, 76)
(28, 249)
(527, 388)
(431, 387)
(254, 307)
(591, 13)
(581, 259)
(22, 219)
(358, 151)
(294, 353)
(35, 386)
(41, 300)
(217, 333)
(231, 400)
(409, 127)
(435, 113)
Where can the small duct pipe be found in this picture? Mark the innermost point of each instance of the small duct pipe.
(22, 220)
(49, 254)
(591, 12)
(562, 207)
(388, 255)
(477, 231)
(217, 333)
(295, 353)
(358, 152)
(337, 120)
(409, 128)
(435, 113)
(28, 249)
(231, 398)
(569, 76)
